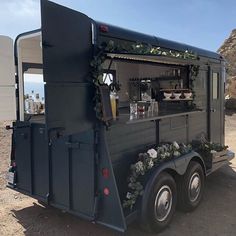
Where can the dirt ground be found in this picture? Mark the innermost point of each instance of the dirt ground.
(216, 215)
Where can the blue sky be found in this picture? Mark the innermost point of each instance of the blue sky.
(201, 23)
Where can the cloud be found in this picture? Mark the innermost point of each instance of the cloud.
(22, 8)
(17, 16)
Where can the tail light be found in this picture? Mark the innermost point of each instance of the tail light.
(106, 191)
(105, 173)
(103, 28)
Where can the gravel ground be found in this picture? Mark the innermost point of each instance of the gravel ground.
(216, 215)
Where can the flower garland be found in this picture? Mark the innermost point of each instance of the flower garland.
(148, 161)
(206, 148)
(154, 157)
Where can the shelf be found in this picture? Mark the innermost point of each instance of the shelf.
(179, 89)
(158, 116)
(176, 100)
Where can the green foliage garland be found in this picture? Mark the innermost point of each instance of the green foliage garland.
(194, 72)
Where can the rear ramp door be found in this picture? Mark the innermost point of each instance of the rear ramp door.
(66, 41)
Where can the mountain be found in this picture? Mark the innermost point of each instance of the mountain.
(228, 51)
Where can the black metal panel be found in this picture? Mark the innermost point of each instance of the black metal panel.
(125, 142)
(110, 209)
(69, 107)
(130, 35)
(60, 172)
(67, 47)
(22, 136)
(40, 160)
(82, 173)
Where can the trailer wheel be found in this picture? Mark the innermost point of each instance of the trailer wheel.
(191, 187)
(161, 205)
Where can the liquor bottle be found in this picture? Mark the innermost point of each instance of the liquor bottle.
(37, 103)
(42, 109)
(27, 103)
(117, 104)
(113, 104)
(31, 105)
(32, 95)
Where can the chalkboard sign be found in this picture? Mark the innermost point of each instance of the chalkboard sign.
(106, 102)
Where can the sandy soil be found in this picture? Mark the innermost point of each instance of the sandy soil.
(216, 215)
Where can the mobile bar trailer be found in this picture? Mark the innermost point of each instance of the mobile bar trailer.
(78, 159)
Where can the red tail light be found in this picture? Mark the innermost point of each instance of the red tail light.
(105, 173)
(106, 191)
(103, 28)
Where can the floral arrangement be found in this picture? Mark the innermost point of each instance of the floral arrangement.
(155, 156)
(206, 148)
(148, 161)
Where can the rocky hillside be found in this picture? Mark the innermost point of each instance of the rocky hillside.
(228, 50)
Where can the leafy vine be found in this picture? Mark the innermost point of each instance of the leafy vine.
(194, 72)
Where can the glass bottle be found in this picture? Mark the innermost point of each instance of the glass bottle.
(27, 103)
(117, 104)
(113, 104)
(32, 95)
(37, 103)
(42, 106)
(31, 105)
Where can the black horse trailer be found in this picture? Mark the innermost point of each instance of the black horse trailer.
(111, 94)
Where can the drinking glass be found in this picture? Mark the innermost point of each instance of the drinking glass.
(133, 108)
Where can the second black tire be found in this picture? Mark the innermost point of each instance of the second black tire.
(191, 187)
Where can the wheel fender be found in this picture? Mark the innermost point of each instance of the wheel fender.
(181, 163)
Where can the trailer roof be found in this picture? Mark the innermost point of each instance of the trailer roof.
(130, 35)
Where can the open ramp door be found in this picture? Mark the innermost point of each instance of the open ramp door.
(67, 52)
(66, 43)
(7, 80)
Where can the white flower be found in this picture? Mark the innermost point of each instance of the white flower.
(152, 153)
(176, 145)
(150, 164)
(176, 153)
(213, 151)
(128, 195)
(139, 166)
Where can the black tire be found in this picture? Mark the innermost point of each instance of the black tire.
(163, 190)
(191, 187)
